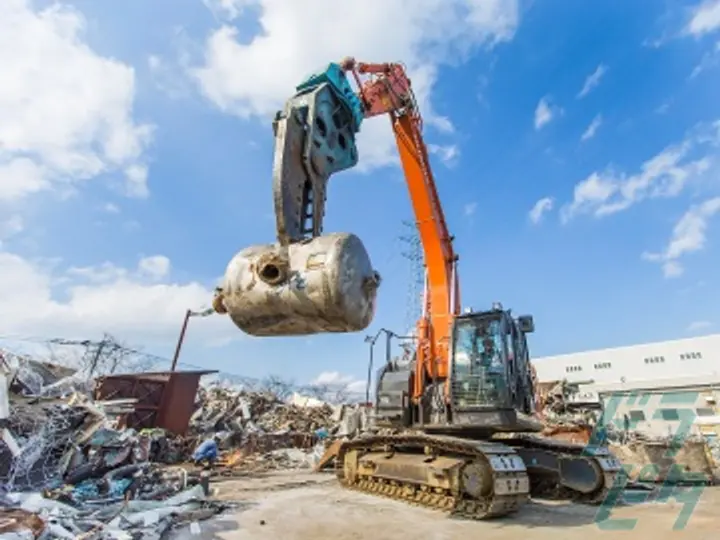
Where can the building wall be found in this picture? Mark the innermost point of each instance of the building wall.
(662, 387)
(693, 357)
(662, 412)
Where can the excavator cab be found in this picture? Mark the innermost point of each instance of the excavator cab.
(491, 382)
(490, 361)
(489, 388)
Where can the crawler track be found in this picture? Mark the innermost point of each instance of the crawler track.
(506, 478)
(605, 465)
(496, 466)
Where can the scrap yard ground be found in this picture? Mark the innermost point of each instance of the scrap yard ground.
(292, 505)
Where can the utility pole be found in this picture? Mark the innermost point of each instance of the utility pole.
(181, 338)
(371, 340)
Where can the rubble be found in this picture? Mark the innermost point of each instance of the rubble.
(689, 460)
(260, 432)
(68, 471)
(669, 459)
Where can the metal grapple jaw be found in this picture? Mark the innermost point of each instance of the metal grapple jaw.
(314, 138)
(307, 282)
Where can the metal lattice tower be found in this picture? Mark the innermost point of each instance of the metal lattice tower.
(413, 253)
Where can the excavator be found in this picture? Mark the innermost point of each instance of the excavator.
(456, 427)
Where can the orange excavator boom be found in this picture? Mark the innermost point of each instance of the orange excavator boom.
(388, 90)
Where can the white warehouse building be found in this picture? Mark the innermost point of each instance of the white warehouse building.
(657, 387)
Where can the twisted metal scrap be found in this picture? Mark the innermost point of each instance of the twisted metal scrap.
(45, 435)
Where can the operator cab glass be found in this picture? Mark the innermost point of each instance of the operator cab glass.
(480, 360)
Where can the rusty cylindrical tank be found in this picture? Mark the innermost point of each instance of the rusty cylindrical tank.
(326, 284)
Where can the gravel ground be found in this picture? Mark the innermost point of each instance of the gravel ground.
(305, 506)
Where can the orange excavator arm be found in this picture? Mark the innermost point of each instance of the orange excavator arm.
(388, 90)
(310, 282)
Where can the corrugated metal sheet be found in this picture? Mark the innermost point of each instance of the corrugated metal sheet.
(165, 399)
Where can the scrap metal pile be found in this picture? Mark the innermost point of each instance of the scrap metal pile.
(691, 458)
(260, 432)
(564, 418)
(68, 471)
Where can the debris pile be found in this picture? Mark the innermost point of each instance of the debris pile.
(574, 416)
(260, 432)
(30, 515)
(686, 460)
(565, 416)
(68, 471)
(69, 468)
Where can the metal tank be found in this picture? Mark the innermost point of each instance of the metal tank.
(326, 284)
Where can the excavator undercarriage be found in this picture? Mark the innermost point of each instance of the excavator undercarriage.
(474, 479)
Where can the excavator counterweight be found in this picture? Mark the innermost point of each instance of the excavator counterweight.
(461, 431)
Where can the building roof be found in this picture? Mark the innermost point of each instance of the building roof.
(666, 360)
(611, 350)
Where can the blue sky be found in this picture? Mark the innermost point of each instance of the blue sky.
(142, 132)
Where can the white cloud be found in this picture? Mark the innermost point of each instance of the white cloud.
(156, 267)
(102, 273)
(470, 208)
(698, 326)
(448, 154)
(111, 208)
(688, 236)
(38, 298)
(545, 112)
(589, 133)
(705, 18)
(709, 60)
(169, 77)
(334, 378)
(541, 207)
(664, 175)
(228, 9)
(66, 111)
(154, 62)
(10, 227)
(19, 176)
(136, 181)
(423, 34)
(589, 194)
(592, 81)
(663, 107)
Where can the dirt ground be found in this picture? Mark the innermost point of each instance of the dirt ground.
(306, 506)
